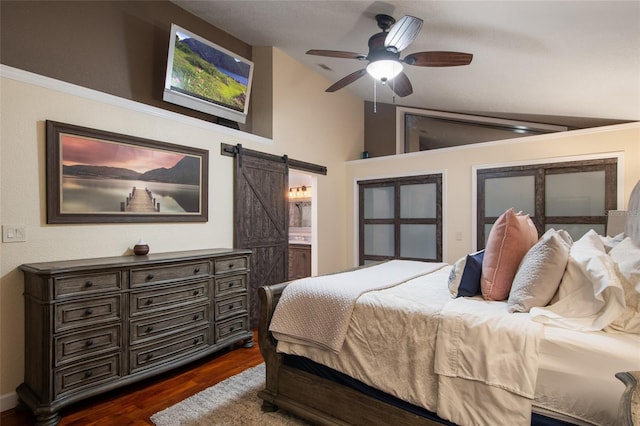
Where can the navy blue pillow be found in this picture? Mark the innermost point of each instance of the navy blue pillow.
(470, 281)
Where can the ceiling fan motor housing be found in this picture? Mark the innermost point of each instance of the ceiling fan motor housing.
(378, 51)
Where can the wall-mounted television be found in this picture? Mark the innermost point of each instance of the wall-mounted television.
(206, 77)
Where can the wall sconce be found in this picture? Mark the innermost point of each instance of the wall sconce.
(300, 192)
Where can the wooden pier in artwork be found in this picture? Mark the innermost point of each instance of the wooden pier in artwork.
(140, 201)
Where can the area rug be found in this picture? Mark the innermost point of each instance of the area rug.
(231, 402)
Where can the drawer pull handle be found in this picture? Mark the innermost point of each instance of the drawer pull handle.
(149, 301)
(88, 284)
(196, 317)
(89, 343)
(230, 285)
(196, 292)
(230, 265)
(231, 306)
(196, 341)
(149, 329)
(149, 277)
(149, 356)
(88, 312)
(88, 374)
(195, 271)
(231, 328)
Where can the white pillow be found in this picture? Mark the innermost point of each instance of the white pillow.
(626, 257)
(456, 275)
(540, 272)
(590, 295)
(611, 242)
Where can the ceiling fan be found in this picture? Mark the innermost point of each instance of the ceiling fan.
(384, 55)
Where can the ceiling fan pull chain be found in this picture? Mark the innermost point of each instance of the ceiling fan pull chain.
(375, 108)
(393, 90)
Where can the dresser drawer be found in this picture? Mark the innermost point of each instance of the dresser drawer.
(150, 327)
(143, 357)
(145, 276)
(229, 328)
(87, 375)
(86, 284)
(237, 305)
(81, 313)
(231, 264)
(236, 283)
(93, 342)
(175, 296)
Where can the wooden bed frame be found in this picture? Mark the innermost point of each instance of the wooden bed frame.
(324, 402)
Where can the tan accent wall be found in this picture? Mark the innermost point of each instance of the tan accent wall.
(116, 47)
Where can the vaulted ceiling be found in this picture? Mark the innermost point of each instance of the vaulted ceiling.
(563, 58)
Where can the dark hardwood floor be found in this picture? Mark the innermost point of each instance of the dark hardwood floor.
(134, 404)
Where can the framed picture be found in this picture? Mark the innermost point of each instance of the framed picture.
(95, 176)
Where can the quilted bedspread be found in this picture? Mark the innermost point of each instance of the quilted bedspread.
(317, 311)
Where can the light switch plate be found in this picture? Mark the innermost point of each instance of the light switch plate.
(14, 233)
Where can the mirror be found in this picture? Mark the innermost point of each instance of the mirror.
(299, 214)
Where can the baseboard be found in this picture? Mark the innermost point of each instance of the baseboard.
(8, 401)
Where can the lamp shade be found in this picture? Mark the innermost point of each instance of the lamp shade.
(384, 69)
(616, 222)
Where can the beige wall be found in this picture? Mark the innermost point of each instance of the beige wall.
(457, 166)
(301, 131)
(328, 128)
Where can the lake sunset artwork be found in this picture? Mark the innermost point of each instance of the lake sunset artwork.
(100, 176)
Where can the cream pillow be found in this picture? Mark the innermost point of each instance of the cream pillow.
(511, 237)
(540, 272)
(626, 257)
(590, 295)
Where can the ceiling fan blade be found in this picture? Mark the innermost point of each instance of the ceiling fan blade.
(403, 33)
(438, 59)
(401, 85)
(336, 54)
(347, 80)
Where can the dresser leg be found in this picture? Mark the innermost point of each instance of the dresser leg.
(248, 343)
(268, 407)
(22, 406)
(50, 419)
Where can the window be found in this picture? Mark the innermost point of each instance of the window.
(427, 129)
(574, 196)
(401, 218)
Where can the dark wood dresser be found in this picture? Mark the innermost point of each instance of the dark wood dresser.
(96, 324)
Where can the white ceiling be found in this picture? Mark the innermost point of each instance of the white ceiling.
(566, 58)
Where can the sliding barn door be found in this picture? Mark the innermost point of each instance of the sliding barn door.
(262, 221)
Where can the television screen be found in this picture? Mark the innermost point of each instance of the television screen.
(206, 77)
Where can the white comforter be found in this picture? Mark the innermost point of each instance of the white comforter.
(316, 311)
(385, 323)
(487, 363)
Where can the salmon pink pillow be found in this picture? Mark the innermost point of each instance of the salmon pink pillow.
(510, 239)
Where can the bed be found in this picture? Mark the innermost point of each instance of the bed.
(399, 347)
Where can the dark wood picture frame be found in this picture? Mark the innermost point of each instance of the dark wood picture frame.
(93, 177)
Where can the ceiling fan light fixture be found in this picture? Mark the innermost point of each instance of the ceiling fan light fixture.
(384, 69)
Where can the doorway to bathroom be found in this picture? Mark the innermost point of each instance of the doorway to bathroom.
(302, 213)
